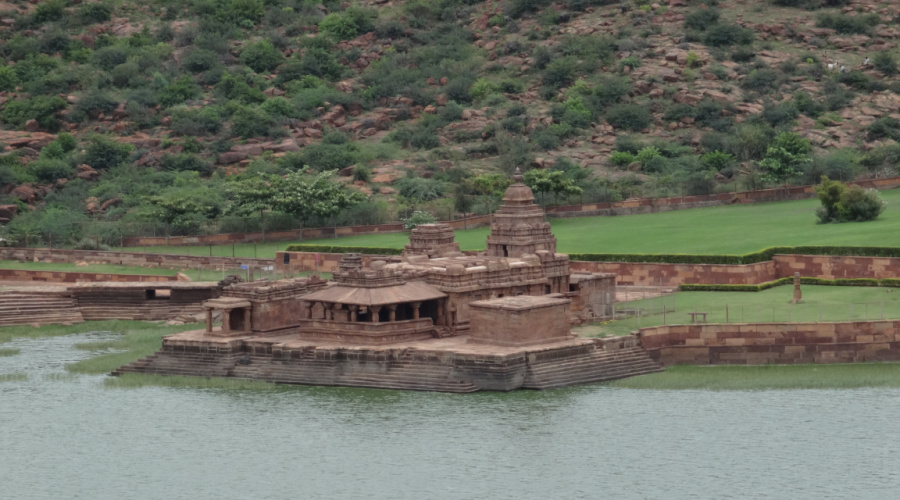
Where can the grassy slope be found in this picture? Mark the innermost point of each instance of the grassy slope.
(734, 229)
(834, 303)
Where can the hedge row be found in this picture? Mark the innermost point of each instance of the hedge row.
(887, 282)
(339, 249)
(749, 258)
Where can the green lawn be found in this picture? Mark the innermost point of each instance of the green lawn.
(832, 302)
(735, 229)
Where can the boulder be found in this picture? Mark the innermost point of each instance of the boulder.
(8, 211)
(25, 193)
(231, 157)
(32, 125)
(111, 203)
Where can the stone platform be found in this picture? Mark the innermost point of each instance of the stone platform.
(446, 365)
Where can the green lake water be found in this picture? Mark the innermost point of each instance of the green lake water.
(69, 437)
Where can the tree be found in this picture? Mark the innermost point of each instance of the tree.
(490, 187)
(304, 198)
(250, 195)
(784, 156)
(539, 181)
(829, 193)
(841, 203)
(184, 209)
(560, 183)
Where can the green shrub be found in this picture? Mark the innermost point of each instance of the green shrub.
(50, 170)
(103, 153)
(93, 103)
(859, 205)
(233, 88)
(843, 23)
(622, 158)
(322, 157)
(261, 56)
(560, 71)
(518, 8)
(41, 108)
(701, 19)
(481, 88)
(185, 162)
(108, 58)
(723, 35)
(417, 218)
(762, 80)
(250, 122)
(198, 60)
(196, 122)
(717, 160)
(49, 11)
(884, 127)
(92, 13)
(338, 26)
(242, 12)
(8, 79)
(885, 62)
(628, 117)
(179, 91)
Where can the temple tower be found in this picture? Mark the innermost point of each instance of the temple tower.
(518, 227)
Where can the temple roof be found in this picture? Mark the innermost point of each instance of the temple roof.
(413, 291)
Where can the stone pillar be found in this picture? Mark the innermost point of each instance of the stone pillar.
(306, 309)
(226, 320)
(797, 294)
(328, 310)
(247, 319)
(209, 326)
(416, 306)
(393, 313)
(441, 312)
(373, 310)
(354, 310)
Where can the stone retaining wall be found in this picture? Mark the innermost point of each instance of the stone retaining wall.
(129, 259)
(781, 266)
(778, 343)
(75, 277)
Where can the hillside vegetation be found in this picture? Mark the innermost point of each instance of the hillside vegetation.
(189, 117)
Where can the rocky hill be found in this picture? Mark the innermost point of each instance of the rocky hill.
(125, 118)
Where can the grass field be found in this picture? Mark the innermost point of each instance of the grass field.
(825, 303)
(767, 377)
(735, 229)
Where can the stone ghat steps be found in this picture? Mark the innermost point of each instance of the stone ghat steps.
(305, 371)
(196, 365)
(38, 309)
(137, 312)
(598, 366)
(409, 375)
(403, 375)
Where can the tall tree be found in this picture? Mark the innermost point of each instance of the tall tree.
(305, 198)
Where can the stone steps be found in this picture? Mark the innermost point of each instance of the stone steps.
(598, 366)
(38, 309)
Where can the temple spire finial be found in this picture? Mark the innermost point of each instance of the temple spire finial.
(518, 175)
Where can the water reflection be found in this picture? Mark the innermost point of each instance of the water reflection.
(68, 437)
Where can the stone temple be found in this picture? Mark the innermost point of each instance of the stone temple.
(433, 318)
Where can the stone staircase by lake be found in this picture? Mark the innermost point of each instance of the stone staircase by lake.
(38, 308)
(595, 366)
